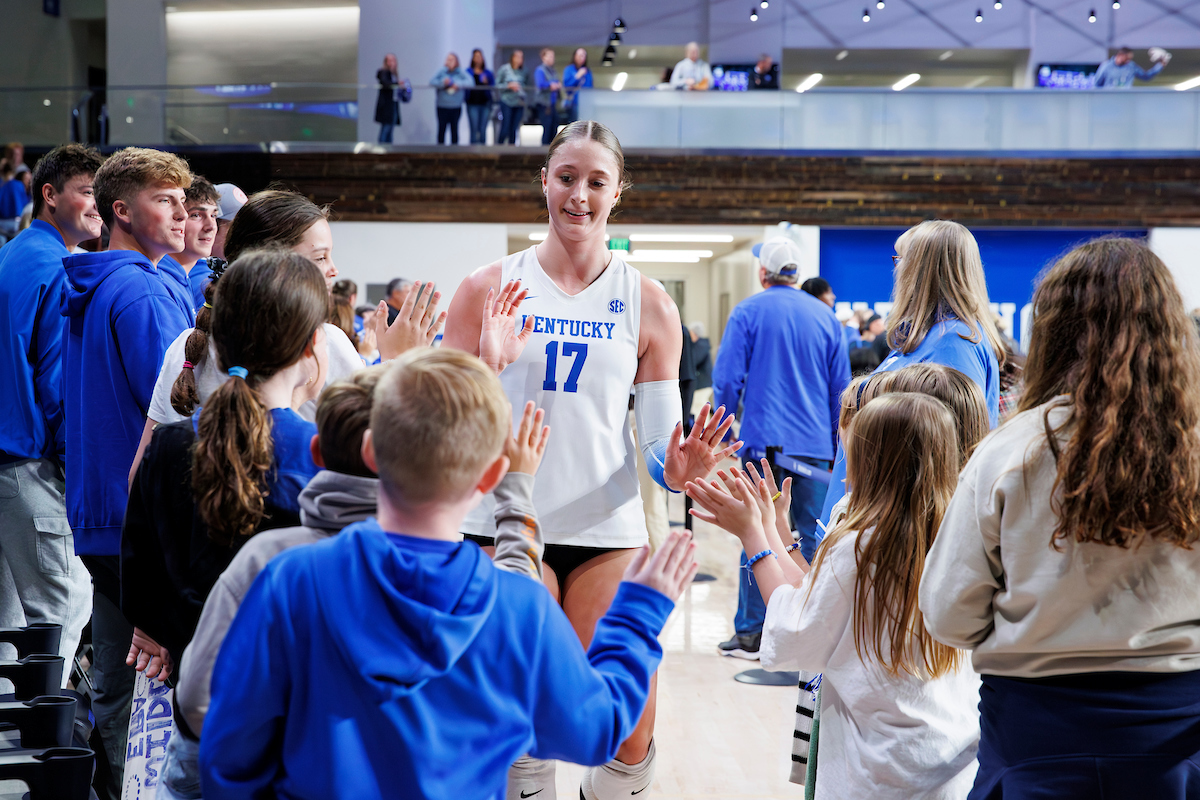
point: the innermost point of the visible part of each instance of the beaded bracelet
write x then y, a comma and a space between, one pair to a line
792, 547
750, 562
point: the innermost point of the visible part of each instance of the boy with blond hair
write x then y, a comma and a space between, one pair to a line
121, 317
395, 660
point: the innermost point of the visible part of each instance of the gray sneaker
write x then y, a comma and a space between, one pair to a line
742, 645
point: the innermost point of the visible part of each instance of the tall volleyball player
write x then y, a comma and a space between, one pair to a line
585, 330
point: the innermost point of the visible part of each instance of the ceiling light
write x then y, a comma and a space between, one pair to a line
979, 15
619, 81
945, 55
809, 82
614, 38
669, 256
764, 4
633, 53
691, 238
1092, 15
1116, 4
619, 25
866, 15
842, 55
905, 82
1191, 83
880, 5
753, 15
997, 5
610, 53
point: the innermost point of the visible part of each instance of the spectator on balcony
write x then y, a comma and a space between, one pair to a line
513, 79
692, 73
546, 79
764, 76
451, 82
1119, 71
393, 90
479, 101
575, 77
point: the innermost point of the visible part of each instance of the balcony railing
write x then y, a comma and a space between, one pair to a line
1142, 122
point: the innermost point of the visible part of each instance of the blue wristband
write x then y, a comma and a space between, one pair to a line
750, 562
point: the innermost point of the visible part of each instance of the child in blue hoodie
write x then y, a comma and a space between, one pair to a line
395, 660
121, 317
36, 546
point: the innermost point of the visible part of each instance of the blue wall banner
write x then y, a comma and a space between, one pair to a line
857, 262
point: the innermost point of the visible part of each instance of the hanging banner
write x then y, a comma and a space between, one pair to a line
149, 732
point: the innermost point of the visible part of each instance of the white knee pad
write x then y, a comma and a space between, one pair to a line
531, 777
617, 779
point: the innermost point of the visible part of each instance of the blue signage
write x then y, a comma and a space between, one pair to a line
857, 262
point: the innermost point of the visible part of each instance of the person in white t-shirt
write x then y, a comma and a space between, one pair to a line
692, 73
898, 718
585, 330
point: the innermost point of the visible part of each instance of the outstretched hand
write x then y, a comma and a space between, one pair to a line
670, 569
147, 655
525, 451
693, 458
733, 509
500, 343
417, 323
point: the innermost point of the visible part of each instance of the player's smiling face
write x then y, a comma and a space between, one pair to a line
582, 184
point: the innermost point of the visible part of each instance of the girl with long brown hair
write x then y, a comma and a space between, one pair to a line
237, 465
1067, 559
898, 713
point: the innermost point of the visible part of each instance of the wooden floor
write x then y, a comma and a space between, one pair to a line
716, 738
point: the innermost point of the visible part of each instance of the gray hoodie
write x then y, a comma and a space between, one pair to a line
330, 502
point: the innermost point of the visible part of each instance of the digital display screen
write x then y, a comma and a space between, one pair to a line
740, 77
1067, 76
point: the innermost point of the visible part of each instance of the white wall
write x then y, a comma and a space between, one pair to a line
1178, 248
444, 252
137, 56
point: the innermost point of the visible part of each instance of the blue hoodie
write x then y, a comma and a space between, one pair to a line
122, 316
31, 333
180, 284
944, 344
198, 281
375, 665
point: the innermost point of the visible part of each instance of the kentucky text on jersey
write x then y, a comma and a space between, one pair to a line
582, 328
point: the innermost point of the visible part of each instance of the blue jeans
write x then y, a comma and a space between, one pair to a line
510, 123
385, 133
181, 768
549, 120
478, 117
807, 495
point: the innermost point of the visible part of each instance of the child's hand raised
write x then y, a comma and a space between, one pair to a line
737, 513
670, 569
759, 493
525, 451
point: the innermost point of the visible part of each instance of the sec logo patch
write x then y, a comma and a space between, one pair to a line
616, 306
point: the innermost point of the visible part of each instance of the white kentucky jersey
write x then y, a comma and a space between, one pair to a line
579, 366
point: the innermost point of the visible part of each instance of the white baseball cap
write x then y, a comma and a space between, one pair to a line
779, 255
231, 199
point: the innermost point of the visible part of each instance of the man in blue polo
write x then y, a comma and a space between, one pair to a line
36, 542
783, 358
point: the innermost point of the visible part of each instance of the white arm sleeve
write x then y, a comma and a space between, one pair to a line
657, 409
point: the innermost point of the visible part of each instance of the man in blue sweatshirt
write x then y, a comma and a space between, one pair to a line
190, 267
394, 660
121, 317
784, 358
36, 544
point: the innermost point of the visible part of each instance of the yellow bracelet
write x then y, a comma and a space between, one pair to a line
778, 495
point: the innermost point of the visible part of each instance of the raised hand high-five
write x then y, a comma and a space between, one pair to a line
500, 343
417, 324
696, 456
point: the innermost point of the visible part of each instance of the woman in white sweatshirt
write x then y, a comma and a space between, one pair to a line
898, 718
1067, 559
